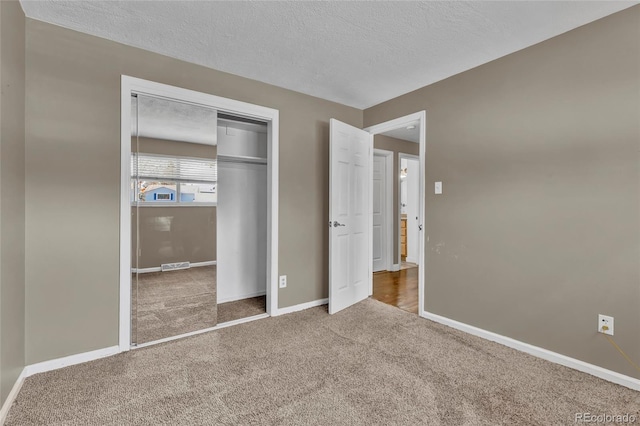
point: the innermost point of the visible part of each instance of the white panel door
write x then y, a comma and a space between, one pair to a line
379, 218
413, 210
349, 218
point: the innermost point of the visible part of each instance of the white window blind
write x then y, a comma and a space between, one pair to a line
161, 167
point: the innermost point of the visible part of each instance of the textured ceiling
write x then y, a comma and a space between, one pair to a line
171, 120
411, 132
354, 53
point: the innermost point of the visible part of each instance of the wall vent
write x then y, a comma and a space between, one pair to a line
175, 266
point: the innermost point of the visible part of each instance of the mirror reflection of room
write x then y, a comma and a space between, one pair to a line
396, 217
184, 272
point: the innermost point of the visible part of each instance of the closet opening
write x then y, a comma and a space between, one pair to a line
201, 209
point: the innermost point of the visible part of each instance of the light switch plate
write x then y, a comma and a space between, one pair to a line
438, 187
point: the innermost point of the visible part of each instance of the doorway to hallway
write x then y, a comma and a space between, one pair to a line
360, 216
399, 286
396, 216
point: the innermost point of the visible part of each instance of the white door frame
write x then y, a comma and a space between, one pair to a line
388, 207
403, 156
131, 85
397, 123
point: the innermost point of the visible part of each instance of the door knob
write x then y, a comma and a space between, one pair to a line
336, 224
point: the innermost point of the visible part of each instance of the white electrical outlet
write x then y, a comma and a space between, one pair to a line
438, 188
604, 320
283, 281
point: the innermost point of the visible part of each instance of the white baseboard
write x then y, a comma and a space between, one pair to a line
159, 269
301, 306
66, 361
4, 411
395, 267
411, 260
536, 351
244, 296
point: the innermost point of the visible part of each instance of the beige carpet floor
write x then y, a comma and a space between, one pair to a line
369, 364
244, 308
171, 303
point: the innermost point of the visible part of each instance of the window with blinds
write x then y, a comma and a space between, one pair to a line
178, 169
160, 179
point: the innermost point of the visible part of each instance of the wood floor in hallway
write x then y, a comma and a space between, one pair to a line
399, 288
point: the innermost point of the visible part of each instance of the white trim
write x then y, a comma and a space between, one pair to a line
204, 330
13, 394
395, 267
273, 191
421, 116
388, 208
422, 272
302, 306
241, 297
271, 116
536, 351
55, 364
369, 218
241, 321
159, 269
124, 332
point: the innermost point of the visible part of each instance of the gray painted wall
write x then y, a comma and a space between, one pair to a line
537, 230
174, 234
73, 142
12, 221
397, 146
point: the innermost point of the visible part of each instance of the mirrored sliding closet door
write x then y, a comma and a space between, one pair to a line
174, 185
198, 218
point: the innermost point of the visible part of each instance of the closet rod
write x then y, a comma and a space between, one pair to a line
241, 159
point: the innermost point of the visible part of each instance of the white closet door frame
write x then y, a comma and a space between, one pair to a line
130, 85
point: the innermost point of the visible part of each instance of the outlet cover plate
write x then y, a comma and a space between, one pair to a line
605, 320
283, 281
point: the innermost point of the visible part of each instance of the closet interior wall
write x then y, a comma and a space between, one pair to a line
242, 209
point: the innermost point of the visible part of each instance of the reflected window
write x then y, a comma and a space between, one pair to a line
164, 179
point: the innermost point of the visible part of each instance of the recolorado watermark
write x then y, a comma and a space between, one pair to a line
605, 418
